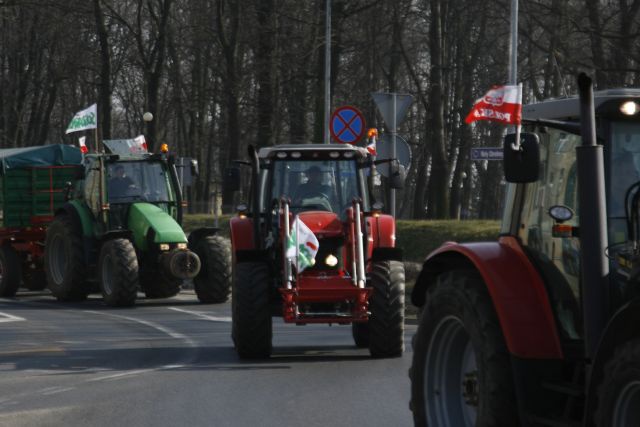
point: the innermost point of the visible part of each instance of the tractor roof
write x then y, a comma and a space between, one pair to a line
567, 108
308, 151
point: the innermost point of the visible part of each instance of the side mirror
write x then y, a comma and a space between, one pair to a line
232, 178
521, 166
397, 175
195, 171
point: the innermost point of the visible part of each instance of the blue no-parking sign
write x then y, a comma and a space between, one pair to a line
347, 125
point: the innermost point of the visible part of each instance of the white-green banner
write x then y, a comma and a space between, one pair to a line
83, 120
302, 245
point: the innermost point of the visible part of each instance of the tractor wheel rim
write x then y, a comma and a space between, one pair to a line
58, 259
107, 275
451, 388
627, 407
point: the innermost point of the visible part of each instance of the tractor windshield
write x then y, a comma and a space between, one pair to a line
133, 181
625, 164
326, 185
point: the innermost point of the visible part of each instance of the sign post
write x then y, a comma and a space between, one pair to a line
393, 108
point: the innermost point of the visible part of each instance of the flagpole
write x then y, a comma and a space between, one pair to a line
513, 62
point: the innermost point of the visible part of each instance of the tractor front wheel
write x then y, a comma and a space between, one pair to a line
251, 315
118, 267
64, 260
386, 325
461, 373
360, 332
9, 271
213, 283
619, 393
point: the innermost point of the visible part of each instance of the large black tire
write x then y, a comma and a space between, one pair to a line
213, 283
251, 315
386, 325
619, 393
10, 267
64, 260
34, 279
118, 273
360, 333
461, 369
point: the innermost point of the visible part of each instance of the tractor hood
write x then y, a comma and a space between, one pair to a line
323, 224
145, 217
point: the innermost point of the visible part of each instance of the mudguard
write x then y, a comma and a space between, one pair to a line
516, 289
241, 234
622, 327
382, 231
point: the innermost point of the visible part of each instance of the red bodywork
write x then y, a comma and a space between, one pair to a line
517, 292
333, 286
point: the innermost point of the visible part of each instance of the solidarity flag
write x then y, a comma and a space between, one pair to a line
82, 141
373, 136
501, 104
302, 246
83, 120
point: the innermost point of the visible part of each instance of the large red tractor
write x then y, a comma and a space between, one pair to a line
357, 274
542, 327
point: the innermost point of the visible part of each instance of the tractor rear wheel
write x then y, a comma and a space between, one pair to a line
213, 283
64, 260
461, 372
251, 313
619, 393
386, 325
9, 271
118, 269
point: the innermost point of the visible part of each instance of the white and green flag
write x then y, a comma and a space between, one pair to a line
302, 246
85, 119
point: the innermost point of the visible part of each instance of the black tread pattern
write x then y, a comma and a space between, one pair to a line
386, 325
123, 262
620, 371
213, 283
251, 314
72, 287
10, 281
360, 333
462, 294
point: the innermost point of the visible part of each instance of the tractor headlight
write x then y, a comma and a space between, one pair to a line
182, 246
331, 260
629, 108
164, 246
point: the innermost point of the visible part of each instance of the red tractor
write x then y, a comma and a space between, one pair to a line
542, 327
356, 276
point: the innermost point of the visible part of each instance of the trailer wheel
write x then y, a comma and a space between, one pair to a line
360, 333
213, 283
9, 271
251, 315
63, 260
619, 394
461, 372
118, 272
386, 325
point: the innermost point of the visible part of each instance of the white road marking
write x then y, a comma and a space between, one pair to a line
55, 390
6, 317
202, 315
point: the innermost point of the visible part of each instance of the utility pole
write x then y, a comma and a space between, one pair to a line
327, 72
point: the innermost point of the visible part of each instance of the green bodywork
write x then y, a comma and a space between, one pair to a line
145, 216
86, 219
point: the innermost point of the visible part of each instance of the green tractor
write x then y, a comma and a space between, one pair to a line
120, 232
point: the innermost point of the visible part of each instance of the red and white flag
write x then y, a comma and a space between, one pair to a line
372, 134
83, 145
501, 104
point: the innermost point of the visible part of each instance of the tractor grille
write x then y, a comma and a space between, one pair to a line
329, 246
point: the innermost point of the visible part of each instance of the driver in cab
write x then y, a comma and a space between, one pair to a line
313, 188
120, 183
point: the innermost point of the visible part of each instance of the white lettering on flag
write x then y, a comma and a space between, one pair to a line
83, 120
501, 104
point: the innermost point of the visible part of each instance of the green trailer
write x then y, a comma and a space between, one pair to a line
34, 183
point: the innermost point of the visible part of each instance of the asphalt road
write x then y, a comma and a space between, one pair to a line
171, 363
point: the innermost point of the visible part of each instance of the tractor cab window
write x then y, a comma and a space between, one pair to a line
325, 185
129, 182
556, 258
625, 168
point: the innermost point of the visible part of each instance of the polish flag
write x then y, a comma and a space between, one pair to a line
501, 104
141, 144
83, 145
371, 146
